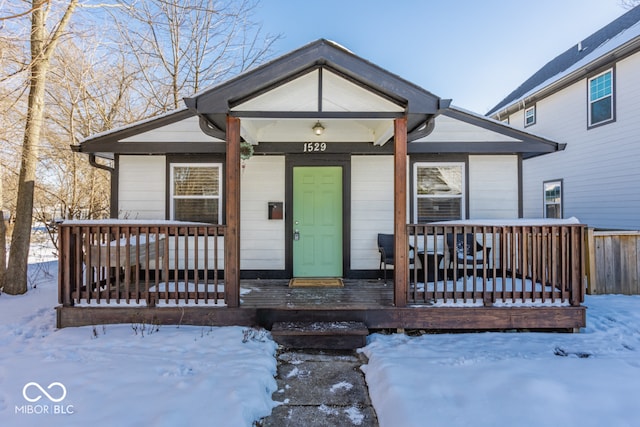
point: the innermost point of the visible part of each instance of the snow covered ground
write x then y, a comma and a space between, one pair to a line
136, 374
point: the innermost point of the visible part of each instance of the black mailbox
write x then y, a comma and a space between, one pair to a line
276, 210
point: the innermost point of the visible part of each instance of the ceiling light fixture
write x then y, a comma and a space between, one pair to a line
318, 129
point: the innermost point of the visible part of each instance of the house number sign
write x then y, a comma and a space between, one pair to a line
314, 147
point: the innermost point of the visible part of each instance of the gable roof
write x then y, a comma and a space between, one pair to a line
215, 103
356, 101
620, 37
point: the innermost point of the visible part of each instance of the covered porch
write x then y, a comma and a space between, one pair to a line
382, 147
530, 278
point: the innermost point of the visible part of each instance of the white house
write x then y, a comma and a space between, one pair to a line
288, 173
589, 98
461, 165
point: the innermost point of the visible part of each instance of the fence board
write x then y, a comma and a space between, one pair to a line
616, 258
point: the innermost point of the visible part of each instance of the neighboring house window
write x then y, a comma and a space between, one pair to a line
530, 116
196, 192
439, 191
601, 98
553, 199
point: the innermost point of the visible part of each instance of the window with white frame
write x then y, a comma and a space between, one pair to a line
530, 116
196, 192
553, 199
601, 98
439, 191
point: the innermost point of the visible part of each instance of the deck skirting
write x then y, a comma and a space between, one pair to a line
426, 318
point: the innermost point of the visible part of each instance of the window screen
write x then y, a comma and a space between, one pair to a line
439, 191
196, 192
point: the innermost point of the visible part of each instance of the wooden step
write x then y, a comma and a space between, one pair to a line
320, 335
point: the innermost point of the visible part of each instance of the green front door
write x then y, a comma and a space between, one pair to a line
317, 221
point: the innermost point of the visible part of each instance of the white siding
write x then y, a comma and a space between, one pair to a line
450, 129
493, 187
599, 167
371, 208
141, 187
262, 239
187, 130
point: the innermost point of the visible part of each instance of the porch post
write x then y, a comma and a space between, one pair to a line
232, 232
401, 266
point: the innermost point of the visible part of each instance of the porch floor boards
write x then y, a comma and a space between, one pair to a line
355, 295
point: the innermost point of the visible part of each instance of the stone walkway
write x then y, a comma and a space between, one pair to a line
320, 389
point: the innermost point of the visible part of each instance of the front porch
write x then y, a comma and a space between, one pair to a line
172, 273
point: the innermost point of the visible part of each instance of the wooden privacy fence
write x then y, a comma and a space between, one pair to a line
614, 262
487, 264
136, 262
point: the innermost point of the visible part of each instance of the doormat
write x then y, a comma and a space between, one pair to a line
325, 282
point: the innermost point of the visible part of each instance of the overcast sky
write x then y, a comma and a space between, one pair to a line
473, 51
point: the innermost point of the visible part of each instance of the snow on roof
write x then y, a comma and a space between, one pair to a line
135, 124
616, 34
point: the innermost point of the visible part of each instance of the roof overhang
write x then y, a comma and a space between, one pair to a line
321, 81
566, 78
280, 102
477, 134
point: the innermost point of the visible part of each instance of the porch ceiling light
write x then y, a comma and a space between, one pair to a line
318, 129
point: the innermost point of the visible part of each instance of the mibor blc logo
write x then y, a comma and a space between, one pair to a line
55, 393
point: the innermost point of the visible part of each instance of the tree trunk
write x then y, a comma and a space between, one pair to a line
3, 238
41, 51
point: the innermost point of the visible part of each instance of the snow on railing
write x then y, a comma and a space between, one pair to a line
491, 263
136, 262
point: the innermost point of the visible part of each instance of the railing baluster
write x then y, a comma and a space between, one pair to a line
206, 264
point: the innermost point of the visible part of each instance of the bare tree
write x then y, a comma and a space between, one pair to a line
181, 46
43, 43
629, 4
89, 93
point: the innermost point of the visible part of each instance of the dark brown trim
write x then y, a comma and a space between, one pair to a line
317, 114
115, 187
436, 158
527, 149
319, 88
426, 318
331, 148
234, 102
194, 158
157, 147
214, 103
297, 160
98, 142
232, 233
401, 262
531, 145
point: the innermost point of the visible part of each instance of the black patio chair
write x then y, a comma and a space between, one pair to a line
386, 244
464, 250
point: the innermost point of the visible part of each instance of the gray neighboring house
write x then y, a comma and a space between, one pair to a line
589, 98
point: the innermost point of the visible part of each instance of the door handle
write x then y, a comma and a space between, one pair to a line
296, 235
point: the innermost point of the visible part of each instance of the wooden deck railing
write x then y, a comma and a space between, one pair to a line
133, 262
511, 265
140, 262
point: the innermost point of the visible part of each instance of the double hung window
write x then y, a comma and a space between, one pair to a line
530, 116
553, 199
196, 192
439, 191
601, 102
